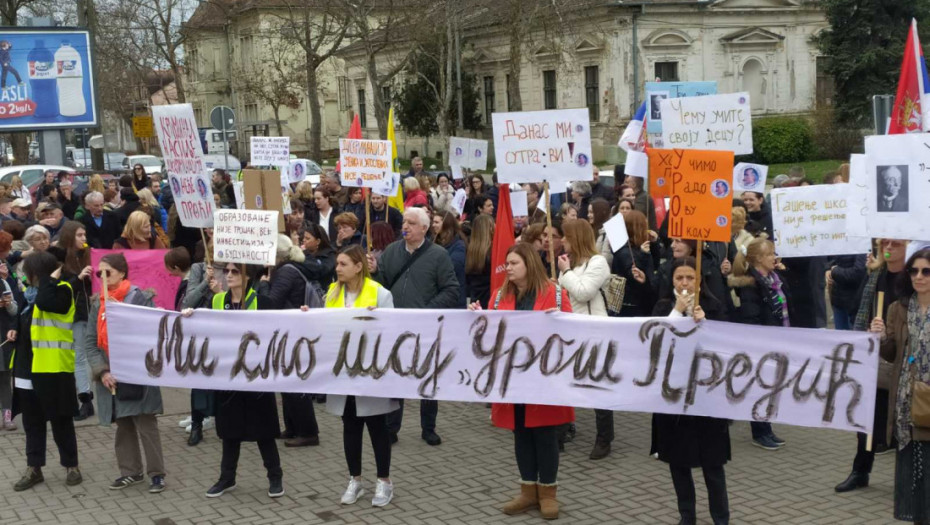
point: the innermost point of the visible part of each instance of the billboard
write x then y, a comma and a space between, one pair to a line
46, 79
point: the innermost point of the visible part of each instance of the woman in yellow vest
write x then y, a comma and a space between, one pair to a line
244, 416
354, 289
43, 370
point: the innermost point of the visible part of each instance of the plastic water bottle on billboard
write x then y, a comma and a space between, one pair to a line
70, 81
42, 80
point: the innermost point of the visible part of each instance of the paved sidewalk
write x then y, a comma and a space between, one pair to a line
464, 480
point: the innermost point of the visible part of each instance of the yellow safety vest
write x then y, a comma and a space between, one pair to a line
335, 297
53, 339
251, 302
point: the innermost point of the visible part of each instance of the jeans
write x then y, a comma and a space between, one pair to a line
299, 415
716, 481
81, 368
760, 429
266, 447
843, 320
129, 431
605, 425
352, 429
429, 409
536, 449
34, 424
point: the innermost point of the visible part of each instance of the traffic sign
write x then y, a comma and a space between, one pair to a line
143, 127
223, 118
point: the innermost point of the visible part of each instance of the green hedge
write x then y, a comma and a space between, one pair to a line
778, 140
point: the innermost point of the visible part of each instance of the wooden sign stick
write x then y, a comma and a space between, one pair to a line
368, 216
697, 271
552, 262
206, 247
103, 298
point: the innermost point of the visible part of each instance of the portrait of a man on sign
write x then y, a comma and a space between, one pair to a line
655, 98
750, 178
891, 183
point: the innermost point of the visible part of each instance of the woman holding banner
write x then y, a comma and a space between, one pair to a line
132, 407
535, 428
905, 342
355, 289
687, 442
764, 300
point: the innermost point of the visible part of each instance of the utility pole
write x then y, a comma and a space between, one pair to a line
458, 74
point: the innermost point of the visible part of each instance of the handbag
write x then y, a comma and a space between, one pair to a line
613, 292
920, 401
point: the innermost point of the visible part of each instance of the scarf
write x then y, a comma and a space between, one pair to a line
117, 294
918, 357
777, 299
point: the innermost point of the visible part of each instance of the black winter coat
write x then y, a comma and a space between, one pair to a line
105, 235
756, 306
287, 289
321, 266
639, 299
806, 278
848, 276
479, 284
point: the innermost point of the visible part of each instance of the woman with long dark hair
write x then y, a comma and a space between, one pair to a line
319, 257
478, 260
636, 266
449, 236
140, 179
76, 270
475, 188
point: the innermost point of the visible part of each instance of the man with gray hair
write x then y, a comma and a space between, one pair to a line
102, 226
891, 193
419, 274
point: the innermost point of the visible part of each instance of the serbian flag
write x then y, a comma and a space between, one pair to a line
503, 237
632, 138
911, 104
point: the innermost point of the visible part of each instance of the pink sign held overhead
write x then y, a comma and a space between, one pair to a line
146, 270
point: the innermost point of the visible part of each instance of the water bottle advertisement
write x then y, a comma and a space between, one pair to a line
46, 80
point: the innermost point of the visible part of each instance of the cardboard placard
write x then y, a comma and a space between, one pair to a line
183, 155
750, 177
365, 163
811, 220
702, 194
656, 92
535, 146
714, 122
270, 151
245, 237
262, 189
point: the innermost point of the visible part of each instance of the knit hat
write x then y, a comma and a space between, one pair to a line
287, 252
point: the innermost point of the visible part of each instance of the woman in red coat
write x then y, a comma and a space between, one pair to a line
535, 427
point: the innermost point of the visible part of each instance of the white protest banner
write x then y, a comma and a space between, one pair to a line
518, 204
245, 237
365, 163
857, 197
457, 172
713, 122
270, 151
239, 193
749, 177
896, 185
468, 153
637, 165
795, 376
296, 171
183, 155
458, 151
387, 188
616, 232
811, 220
458, 201
478, 152
533, 146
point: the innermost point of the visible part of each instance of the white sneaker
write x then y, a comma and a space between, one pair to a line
188, 429
185, 422
384, 493
353, 492
208, 423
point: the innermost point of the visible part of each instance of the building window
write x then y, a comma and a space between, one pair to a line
361, 109
192, 67
549, 93
386, 98
592, 93
198, 115
488, 99
509, 104
825, 85
245, 50
667, 71
343, 93
251, 113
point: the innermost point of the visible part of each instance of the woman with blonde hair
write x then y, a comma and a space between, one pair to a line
137, 235
478, 260
741, 237
18, 191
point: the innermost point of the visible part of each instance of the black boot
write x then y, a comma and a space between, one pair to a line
196, 434
87, 406
856, 480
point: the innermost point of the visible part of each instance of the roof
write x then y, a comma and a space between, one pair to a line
215, 13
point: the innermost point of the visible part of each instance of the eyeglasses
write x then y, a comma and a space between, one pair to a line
230, 271
914, 272
102, 273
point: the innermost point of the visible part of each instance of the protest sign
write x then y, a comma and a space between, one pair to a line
795, 376
468, 153
714, 122
262, 190
857, 197
457, 173
897, 181
811, 220
296, 171
637, 165
701, 192
239, 193
656, 92
536, 146
750, 177
270, 151
518, 204
365, 163
458, 201
183, 156
148, 272
617, 235
387, 188
245, 237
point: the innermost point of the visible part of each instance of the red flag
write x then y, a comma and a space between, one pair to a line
907, 113
503, 237
355, 132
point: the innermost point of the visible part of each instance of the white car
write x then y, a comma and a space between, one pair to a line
150, 163
32, 174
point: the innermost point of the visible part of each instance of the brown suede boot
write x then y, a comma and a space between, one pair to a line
548, 505
525, 501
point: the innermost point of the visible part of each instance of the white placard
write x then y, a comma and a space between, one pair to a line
478, 153
713, 122
750, 177
183, 155
458, 151
533, 146
239, 192
458, 200
897, 185
616, 232
811, 220
270, 151
858, 197
597, 362
637, 165
245, 237
468, 153
365, 163
296, 171
518, 203
457, 172
387, 188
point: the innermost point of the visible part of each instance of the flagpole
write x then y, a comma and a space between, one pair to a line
368, 216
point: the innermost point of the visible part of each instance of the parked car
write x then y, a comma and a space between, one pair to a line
232, 164
150, 163
314, 171
33, 174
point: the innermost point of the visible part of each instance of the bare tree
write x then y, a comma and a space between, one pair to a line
273, 80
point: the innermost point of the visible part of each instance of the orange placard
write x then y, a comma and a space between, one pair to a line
662, 164
701, 187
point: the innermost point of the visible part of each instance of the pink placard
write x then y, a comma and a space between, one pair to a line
146, 270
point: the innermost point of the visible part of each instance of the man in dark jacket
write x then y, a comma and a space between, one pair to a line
598, 189
844, 280
379, 208
102, 226
419, 274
